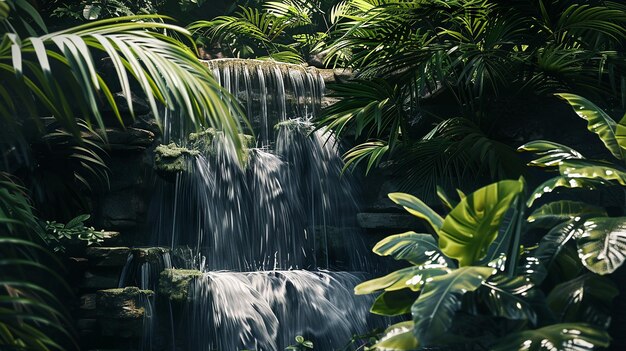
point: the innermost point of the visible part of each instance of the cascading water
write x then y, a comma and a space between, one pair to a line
275, 238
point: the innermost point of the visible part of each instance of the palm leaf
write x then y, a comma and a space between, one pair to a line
166, 71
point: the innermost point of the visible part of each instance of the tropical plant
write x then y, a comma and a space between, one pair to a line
482, 59
54, 92
286, 30
59, 234
473, 283
301, 344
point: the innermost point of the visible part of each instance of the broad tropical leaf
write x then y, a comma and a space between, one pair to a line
510, 298
398, 337
471, 227
394, 303
601, 243
564, 182
412, 278
592, 170
552, 154
441, 298
561, 337
549, 247
418, 208
445, 199
600, 123
419, 249
585, 299
553, 213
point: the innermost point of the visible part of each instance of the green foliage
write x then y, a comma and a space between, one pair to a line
301, 344
52, 98
286, 30
480, 58
31, 317
474, 265
58, 234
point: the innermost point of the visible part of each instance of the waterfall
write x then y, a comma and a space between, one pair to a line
276, 237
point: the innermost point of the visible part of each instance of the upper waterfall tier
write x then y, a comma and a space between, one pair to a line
270, 92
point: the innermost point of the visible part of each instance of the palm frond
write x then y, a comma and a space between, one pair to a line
165, 70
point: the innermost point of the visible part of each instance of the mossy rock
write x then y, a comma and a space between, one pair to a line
295, 124
149, 254
174, 283
172, 159
122, 303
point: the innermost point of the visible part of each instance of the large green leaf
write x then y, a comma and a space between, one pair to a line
549, 247
394, 303
471, 227
584, 299
418, 208
563, 182
602, 243
398, 337
419, 249
510, 298
592, 170
557, 337
598, 122
411, 277
552, 154
441, 298
557, 212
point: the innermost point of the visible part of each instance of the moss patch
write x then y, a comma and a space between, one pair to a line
175, 283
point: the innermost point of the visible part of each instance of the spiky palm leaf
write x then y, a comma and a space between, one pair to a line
46, 68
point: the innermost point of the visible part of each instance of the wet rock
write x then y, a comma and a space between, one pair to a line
121, 311
174, 283
99, 280
388, 221
122, 209
123, 139
327, 74
107, 256
86, 324
88, 302
172, 159
203, 141
149, 254
122, 303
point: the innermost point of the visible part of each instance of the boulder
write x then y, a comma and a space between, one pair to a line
107, 256
174, 283
122, 303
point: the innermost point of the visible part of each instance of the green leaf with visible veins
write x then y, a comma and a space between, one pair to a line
417, 208
441, 298
471, 227
411, 277
416, 248
600, 123
565, 337
601, 244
